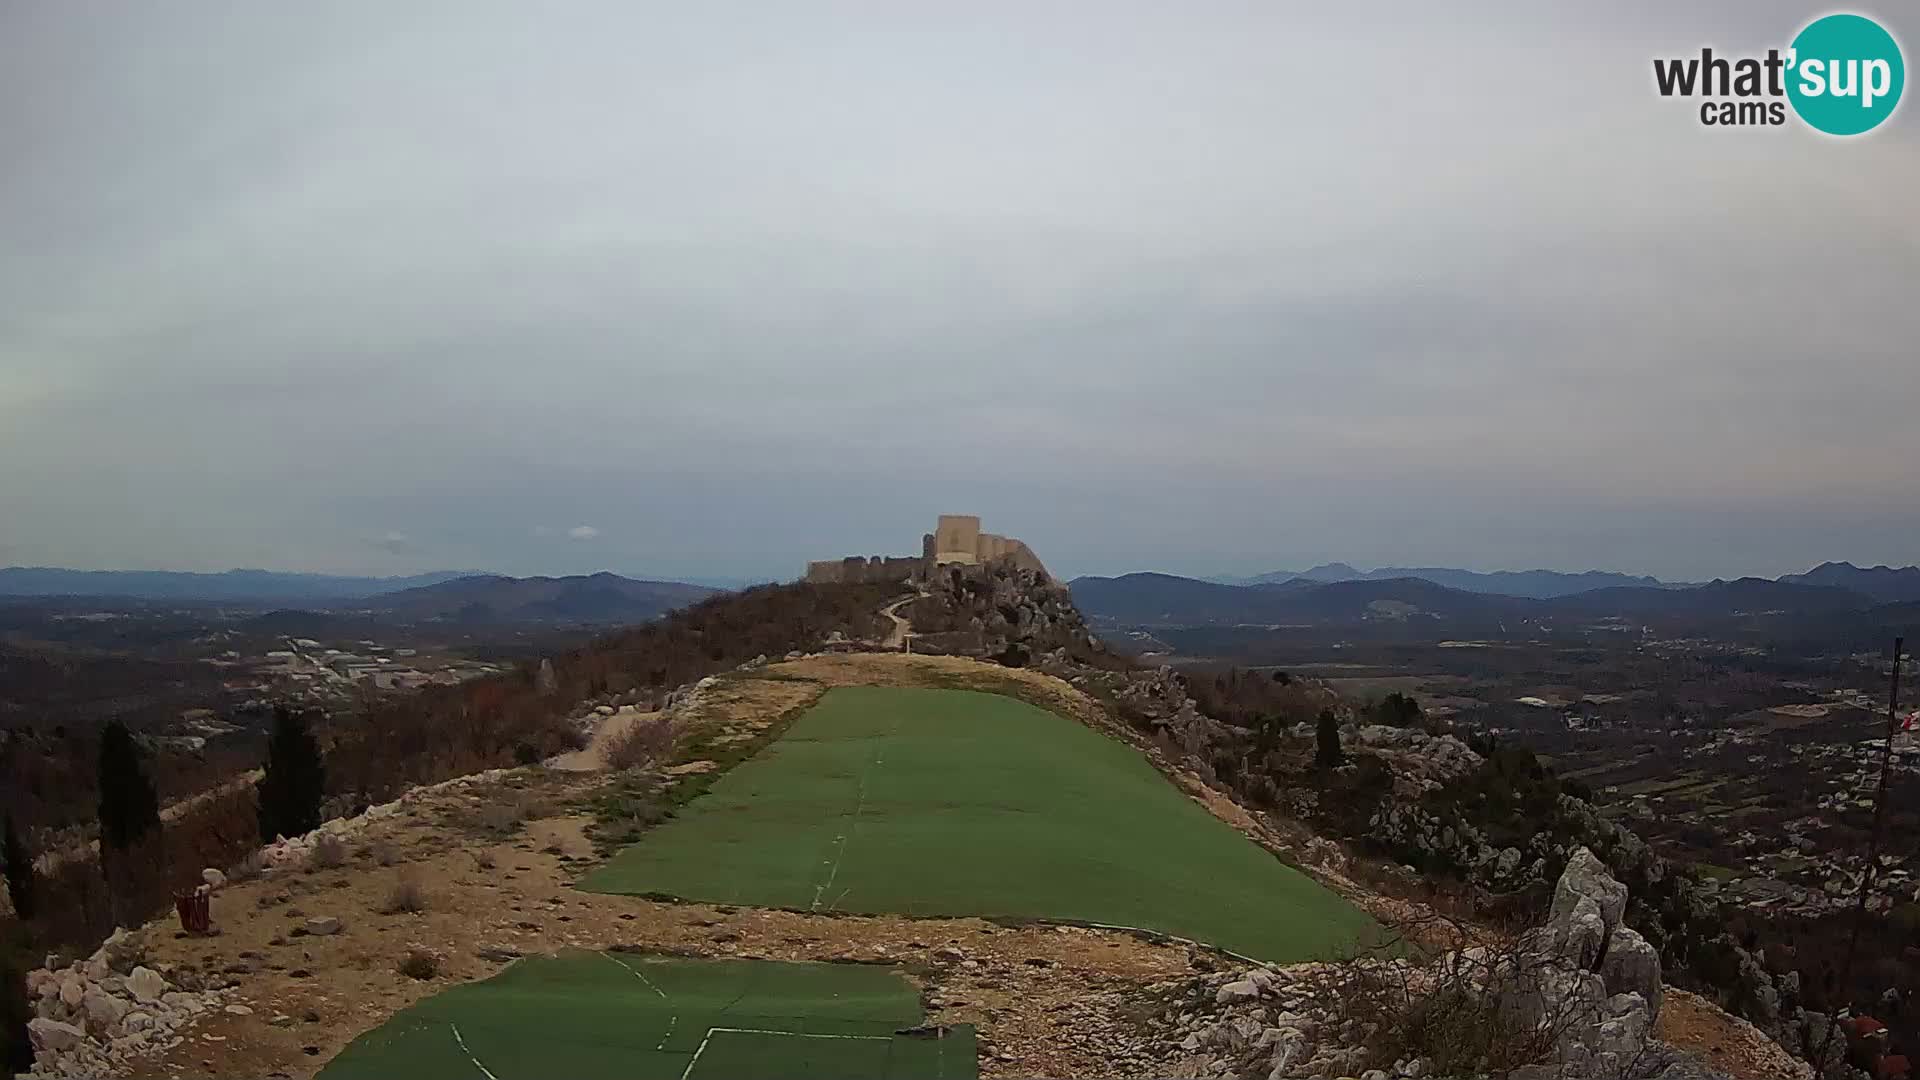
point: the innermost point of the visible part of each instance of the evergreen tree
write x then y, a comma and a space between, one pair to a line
19, 870
129, 807
1329, 753
295, 780
1397, 710
1267, 729
16, 1008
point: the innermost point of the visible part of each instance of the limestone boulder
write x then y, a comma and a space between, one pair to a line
1237, 991
1632, 966
52, 1036
146, 985
73, 989
1580, 939
103, 1011
1586, 876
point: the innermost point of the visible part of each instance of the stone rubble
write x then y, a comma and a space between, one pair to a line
97, 1015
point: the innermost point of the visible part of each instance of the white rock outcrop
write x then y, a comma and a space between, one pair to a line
96, 1016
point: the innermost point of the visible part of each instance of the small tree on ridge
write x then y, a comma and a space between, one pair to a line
19, 870
129, 807
295, 780
1329, 753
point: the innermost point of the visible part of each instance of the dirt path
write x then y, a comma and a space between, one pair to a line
593, 757
897, 637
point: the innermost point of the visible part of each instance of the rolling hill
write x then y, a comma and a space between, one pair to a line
230, 586
1885, 584
1743, 596
1163, 599
1537, 584
598, 598
1166, 600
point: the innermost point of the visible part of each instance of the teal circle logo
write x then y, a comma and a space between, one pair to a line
1845, 74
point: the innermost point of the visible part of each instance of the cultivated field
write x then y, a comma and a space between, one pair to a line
928, 802
628, 1016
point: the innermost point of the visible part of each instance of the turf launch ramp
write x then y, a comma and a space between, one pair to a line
627, 1016
924, 802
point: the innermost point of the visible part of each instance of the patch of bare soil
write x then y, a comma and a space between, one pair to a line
593, 756
1725, 1042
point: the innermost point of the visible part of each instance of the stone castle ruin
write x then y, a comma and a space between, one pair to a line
956, 540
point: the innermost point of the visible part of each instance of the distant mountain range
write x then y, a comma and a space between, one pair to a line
599, 598
1886, 585
1883, 583
237, 586
458, 595
1162, 599
1539, 584
1165, 600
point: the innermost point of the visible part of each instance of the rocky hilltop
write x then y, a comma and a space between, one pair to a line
310, 956
1576, 997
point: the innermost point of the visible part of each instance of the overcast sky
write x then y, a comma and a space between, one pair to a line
713, 289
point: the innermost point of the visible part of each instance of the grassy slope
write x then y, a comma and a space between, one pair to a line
631, 1017
949, 802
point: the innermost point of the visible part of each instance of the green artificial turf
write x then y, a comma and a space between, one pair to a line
624, 1016
952, 802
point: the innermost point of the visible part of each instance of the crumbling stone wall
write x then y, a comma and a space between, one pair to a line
863, 570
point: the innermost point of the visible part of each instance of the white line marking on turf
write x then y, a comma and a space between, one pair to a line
860, 803
484, 1071
673, 1019
688, 1071
800, 1034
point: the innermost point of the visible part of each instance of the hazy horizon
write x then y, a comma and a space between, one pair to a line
736, 580
709, 292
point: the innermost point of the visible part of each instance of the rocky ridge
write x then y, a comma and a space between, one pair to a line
1584, 989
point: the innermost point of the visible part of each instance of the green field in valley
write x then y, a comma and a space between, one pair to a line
626, 1016
953, 802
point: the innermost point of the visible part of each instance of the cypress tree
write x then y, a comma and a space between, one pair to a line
295, 780
19, 870
129, 807
1329, 753
16, 1046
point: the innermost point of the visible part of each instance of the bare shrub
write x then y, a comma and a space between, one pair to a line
329, 852
249, 868
497, 817
384, 852
406, 897
483, 860
646, 740
1460, 1011
419, 964
503, 815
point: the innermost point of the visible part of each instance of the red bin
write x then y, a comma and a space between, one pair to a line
196, 910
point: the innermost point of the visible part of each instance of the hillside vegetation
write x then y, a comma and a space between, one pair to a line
439, 732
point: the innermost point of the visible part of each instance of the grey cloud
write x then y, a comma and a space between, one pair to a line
1208, 287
